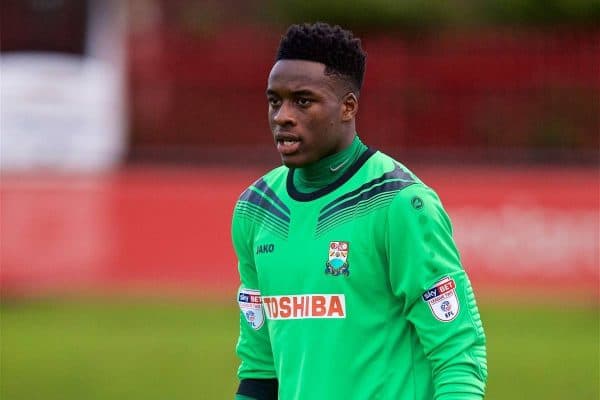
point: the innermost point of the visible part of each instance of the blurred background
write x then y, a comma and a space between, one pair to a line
129, 128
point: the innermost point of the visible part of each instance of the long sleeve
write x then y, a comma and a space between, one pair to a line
253, 346
426, 274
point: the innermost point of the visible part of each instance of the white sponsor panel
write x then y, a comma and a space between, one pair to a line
68, 111
305, 306
515, 240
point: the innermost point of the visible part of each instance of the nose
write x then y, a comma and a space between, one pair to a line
284, 115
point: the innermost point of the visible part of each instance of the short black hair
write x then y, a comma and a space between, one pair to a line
333, 46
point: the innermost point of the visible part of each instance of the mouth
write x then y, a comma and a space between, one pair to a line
287, 144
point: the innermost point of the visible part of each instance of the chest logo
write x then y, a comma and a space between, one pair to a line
337, 263
305, 306
265, 248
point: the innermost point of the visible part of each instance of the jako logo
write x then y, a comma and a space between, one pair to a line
265, 248
305, 306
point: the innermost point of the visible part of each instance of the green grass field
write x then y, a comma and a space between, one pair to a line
59, 350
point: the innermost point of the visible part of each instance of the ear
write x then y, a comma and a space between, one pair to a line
349, 106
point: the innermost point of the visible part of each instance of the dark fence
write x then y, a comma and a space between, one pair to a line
499, 95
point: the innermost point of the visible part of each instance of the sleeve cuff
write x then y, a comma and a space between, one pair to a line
257, 389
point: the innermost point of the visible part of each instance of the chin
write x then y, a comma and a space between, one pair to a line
293, 162
290, 164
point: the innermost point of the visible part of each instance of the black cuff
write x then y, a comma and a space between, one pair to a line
259, 389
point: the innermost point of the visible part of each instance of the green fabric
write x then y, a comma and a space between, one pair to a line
242, 397
315, 176
365, 332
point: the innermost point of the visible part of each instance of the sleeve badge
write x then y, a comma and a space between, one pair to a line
250, 303
442, 300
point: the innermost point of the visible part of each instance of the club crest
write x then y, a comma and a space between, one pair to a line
337, 263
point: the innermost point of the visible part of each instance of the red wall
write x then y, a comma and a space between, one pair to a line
528, 231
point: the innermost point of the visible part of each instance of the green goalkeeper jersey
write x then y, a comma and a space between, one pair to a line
355, 290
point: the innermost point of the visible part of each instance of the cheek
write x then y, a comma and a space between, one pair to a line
325, 120
323, 124
272, 123
322, 129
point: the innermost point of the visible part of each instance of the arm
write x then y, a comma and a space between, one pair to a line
256, 371
425, 270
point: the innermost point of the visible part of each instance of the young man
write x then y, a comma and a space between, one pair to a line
351, 285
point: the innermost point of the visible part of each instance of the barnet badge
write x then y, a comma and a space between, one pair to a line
337, 264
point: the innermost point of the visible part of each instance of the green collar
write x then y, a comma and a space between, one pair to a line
321, 173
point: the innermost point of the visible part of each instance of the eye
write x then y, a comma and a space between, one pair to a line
274, 102
303, 101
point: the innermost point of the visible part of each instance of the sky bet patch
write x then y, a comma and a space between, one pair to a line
442, 300
251, 305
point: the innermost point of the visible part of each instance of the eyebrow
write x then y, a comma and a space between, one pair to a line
302, 92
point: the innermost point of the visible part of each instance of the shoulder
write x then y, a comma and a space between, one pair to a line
262, 201
381, 183
274, 180
417, 197
387, 174
410, 191
418, 205
380, 164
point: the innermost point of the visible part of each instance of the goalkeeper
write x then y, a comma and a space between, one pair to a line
351, 284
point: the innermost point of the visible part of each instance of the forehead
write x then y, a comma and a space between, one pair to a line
296, 75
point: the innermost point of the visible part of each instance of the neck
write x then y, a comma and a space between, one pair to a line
323, 172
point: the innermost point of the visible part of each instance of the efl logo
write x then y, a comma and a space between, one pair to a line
305, 306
